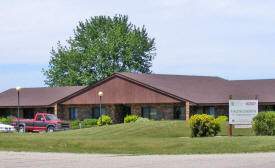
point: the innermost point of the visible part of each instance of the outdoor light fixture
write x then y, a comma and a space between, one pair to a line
100, 94
18, 89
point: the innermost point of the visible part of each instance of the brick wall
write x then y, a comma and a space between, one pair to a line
224, 110
164, 111
219, 110
84, 111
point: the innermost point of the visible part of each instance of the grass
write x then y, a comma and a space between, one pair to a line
157, 137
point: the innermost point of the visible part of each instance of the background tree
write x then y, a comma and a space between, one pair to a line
100, 47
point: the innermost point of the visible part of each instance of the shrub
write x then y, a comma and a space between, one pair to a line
264, 123
9, 118
141, 120
74, 124
222, 118
4, 120
203, 125
104, 120
88, 123
130, 118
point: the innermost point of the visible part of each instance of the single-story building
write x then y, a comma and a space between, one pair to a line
153, 96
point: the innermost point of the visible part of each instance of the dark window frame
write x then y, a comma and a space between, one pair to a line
73, 113
207, 110
177, 115
150, 110
96, 112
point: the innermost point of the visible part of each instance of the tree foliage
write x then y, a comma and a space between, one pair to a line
101, 46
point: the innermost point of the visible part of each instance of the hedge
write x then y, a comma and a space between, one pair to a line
104, 120
264, 123
203, 125
130, 118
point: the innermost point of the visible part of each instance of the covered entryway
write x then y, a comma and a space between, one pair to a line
121, 112
123, 97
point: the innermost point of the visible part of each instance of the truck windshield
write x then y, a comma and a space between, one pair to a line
51, 117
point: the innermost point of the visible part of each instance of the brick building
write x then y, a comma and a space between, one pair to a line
152, 96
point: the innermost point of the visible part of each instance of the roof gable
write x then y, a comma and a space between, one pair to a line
200, 89
120, 91
197, 89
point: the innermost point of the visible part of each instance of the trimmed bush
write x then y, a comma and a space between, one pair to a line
264, 123
203, 125
74, 124
141, 120
104, 120
130, 118
222, 118
86, 123
9, 118
3, 120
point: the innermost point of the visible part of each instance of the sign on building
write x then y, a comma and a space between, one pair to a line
242, 111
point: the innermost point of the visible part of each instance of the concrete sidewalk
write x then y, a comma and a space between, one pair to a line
68, 160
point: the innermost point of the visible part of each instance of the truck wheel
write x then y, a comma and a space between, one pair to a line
50, 129
21, 129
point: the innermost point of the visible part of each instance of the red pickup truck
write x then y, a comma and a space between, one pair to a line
41, 122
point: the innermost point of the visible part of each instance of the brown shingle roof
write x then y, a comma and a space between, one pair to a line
196, 89
208, 90
249, 89
45, 96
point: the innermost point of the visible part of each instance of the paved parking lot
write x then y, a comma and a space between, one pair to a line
66, 160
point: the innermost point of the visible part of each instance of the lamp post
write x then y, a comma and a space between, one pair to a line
100, 94
18, 89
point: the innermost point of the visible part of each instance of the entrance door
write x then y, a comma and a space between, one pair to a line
126, 110
121, 112
28, 113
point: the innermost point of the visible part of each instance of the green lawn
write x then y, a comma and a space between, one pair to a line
156, 137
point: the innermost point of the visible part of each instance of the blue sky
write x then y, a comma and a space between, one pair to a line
233, 39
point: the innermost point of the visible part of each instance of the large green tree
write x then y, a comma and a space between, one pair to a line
100, 46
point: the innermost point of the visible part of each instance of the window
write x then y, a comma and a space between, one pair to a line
96, 112
149, 112
73, 113
269, 108
212, 111
51, 117
179, 113
209, 110
39, 118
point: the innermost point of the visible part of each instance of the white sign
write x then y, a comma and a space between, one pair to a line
242, 111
